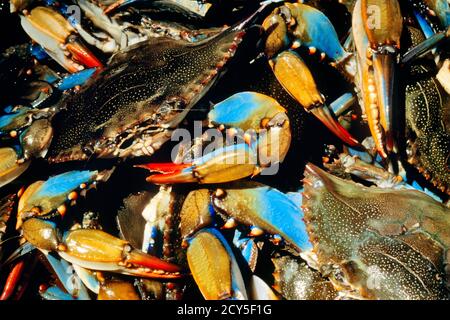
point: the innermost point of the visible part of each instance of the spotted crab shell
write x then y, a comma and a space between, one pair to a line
379, 243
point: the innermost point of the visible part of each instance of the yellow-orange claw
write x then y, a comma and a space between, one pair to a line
293, 74
98, 250
214, 267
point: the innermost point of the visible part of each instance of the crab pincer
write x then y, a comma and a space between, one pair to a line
263, 128
377, 47
264, 209
51, 30
97, 250
308, 27
47, 198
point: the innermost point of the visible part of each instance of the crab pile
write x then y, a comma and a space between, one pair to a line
188, 149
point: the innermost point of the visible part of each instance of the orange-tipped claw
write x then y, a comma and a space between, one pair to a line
295, 76
145, 260
165, 167
169, 173
12, 280
98, 250
56, 35
81, 54
225, 164
171, 178
325, 116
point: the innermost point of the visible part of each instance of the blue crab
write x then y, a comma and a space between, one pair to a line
369, 232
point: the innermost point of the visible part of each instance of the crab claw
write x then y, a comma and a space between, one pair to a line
266, 208
221, 165
214, 267
32, 129
45, 197
377, 43
10, 169
98, 250
256, 112
383, 68
296, 78
310, 28
53, 32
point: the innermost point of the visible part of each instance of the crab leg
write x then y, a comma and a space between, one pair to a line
425, 46
71, 282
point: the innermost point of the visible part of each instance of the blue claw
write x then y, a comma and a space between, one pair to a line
308, 26
321, 33
244, 110
268, 209
44, 197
